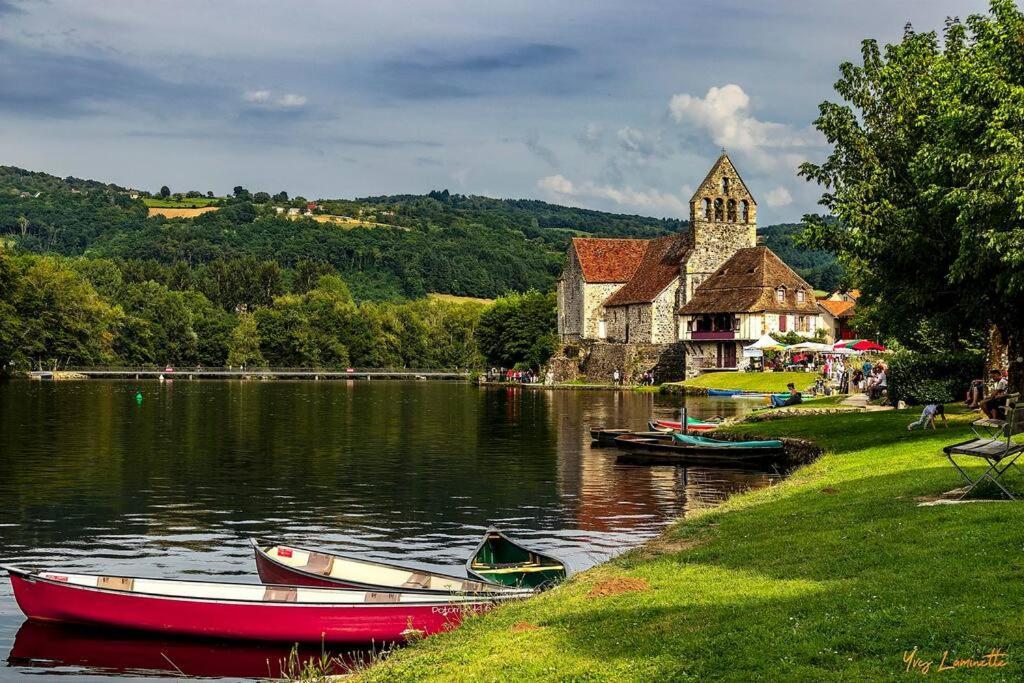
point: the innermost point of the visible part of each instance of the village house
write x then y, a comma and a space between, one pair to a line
837, 311
620, 300
752, 294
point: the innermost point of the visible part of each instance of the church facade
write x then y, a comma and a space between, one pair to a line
621, 299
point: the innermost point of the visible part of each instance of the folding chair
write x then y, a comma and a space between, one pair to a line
1000, 451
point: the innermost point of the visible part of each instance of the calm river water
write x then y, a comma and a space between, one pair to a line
94, 480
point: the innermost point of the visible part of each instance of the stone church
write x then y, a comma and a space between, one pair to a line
619, 300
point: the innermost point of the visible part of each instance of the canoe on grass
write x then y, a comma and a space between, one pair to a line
290, 565
665, 448
707, 442
692, 425
499, 559
240, 611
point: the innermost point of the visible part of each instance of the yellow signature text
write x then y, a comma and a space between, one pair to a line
915, 662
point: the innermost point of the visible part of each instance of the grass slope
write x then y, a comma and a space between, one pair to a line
752, 381
832, 575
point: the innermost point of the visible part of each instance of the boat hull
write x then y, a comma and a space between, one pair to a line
655, 449
46, 600
670, 426
276, 564
499, 559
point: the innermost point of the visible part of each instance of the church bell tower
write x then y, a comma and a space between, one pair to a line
723, 219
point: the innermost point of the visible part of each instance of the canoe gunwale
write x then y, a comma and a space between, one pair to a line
341, 584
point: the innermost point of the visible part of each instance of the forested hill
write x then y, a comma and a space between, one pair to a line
392, 247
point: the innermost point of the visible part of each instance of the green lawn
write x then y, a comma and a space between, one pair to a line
832, 575
752, 381
193, 203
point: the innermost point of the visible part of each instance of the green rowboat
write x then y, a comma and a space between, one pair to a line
499, 559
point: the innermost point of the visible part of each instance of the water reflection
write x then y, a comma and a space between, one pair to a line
412, 472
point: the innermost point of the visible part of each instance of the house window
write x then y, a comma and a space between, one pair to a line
780, 295
602, 329
782, 323
803, 323
801, 296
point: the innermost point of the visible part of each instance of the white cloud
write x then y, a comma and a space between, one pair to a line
724, 113
592, 137
256, 96
556, 184
780, 196
292, 100
266, 98
639, 143
560, 188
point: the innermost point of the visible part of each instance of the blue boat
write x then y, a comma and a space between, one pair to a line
723, 392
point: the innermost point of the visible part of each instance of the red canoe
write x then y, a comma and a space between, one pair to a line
670, 426
240, 611
294, 566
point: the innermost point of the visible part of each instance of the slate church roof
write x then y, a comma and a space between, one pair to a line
748, 282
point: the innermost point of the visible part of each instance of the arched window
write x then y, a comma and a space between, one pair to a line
744, 211
724, 185
706, 207
731, 211
719, 209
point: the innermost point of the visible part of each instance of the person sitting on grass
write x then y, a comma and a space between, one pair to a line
791, 400
996, 394
928, 415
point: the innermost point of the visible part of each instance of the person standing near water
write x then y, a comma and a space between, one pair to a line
615, 377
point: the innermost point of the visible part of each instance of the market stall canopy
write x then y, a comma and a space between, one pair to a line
813, 347
859, 345
766, 343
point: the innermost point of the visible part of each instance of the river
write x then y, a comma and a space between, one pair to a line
170, 479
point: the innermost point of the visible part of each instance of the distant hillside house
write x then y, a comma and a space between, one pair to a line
629, 293
752, 294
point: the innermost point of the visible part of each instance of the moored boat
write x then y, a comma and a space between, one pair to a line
499, 559
680, 448
284, 564
606, 437
692, 425
240, 611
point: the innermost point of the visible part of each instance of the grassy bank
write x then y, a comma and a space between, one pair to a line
834, 574
774, 382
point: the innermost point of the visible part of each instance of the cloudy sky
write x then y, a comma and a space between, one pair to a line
619, 106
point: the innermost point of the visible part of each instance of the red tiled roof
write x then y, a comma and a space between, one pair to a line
608, 260
747, 283
660, 266
838, 309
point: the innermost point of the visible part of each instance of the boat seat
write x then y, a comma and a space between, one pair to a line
519, 569
278, 594
115, 583
417, 580
319, 563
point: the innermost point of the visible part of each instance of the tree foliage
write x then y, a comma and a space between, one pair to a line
926, 179
519, 330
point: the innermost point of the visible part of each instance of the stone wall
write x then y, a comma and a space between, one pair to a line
570, 299
664, 327
594, 296
597, 362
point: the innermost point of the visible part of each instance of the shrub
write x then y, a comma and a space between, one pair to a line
932, 378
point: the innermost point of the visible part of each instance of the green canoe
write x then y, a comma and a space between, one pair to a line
499, 559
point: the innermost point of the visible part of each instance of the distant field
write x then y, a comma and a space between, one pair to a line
347, 222
180, 213
451, 298
753, 381
194, 203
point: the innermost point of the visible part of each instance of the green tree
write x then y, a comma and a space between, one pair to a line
926, 179
244, 346
519, 329
165, 192
261, 198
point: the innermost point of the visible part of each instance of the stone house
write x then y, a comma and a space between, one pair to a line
625, 292
752, 294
